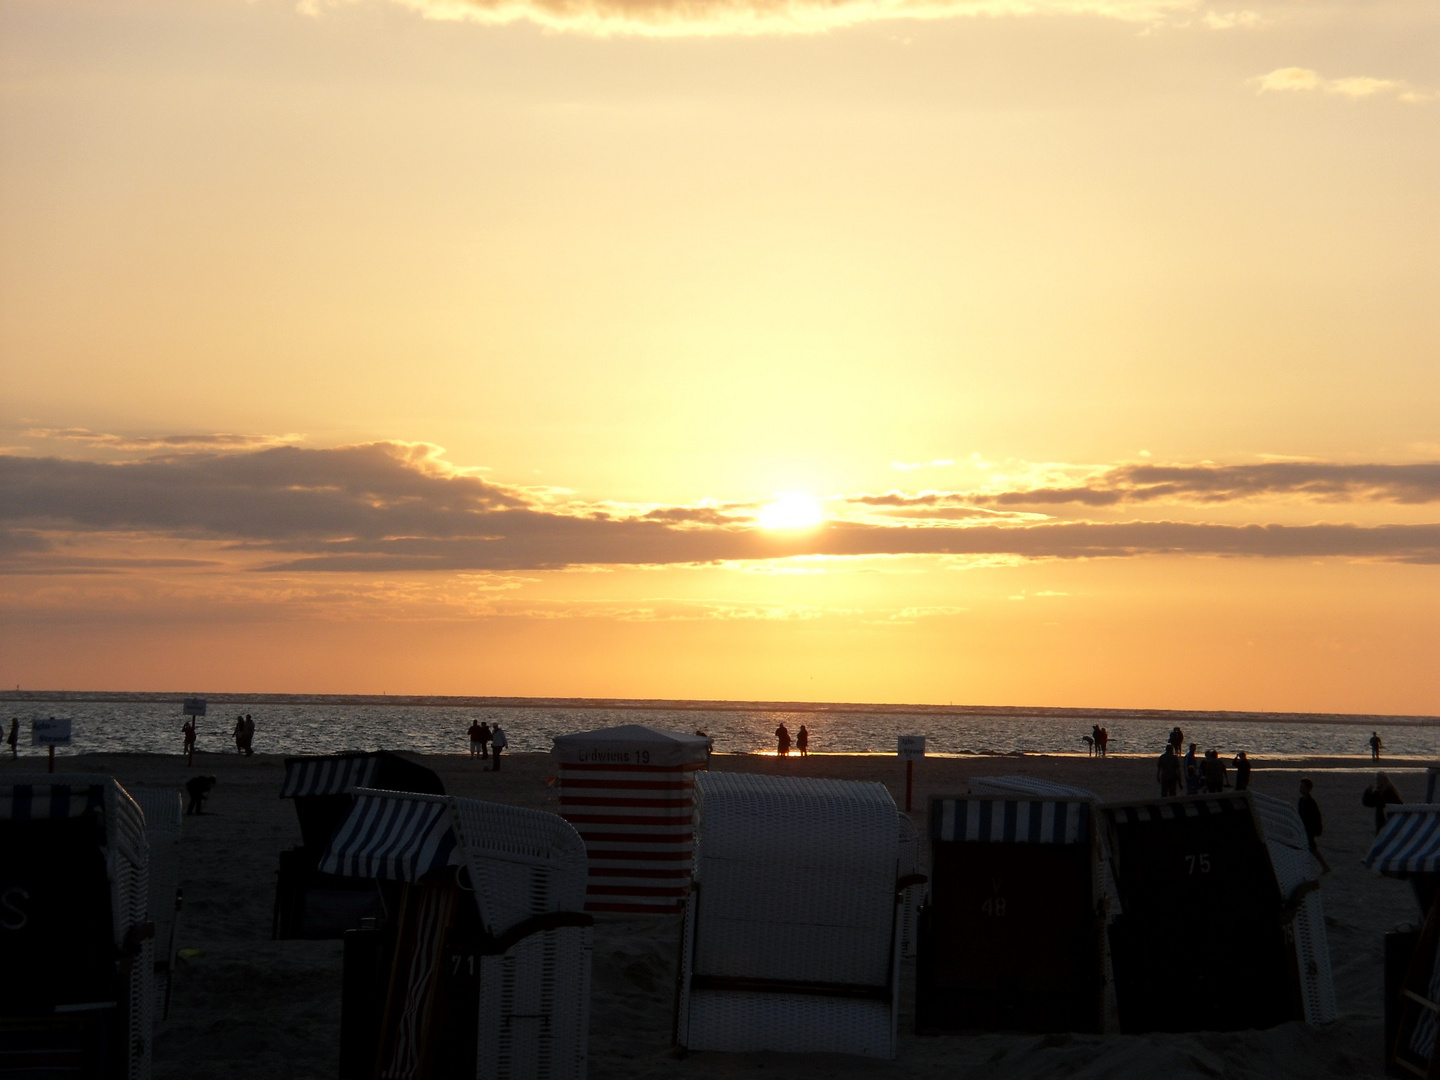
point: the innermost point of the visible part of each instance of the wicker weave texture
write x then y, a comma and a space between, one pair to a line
799, 878
164, 811
796, 885
790, 1023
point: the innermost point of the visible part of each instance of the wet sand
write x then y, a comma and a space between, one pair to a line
249, 1007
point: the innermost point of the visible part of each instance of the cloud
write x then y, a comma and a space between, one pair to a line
697, 18
1294, 79
216, 441
395, 507
908, 466
1204, 484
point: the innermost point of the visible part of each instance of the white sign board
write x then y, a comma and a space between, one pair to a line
194, 706
911, 747
50, 732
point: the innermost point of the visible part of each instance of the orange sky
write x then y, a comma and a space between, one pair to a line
460, 347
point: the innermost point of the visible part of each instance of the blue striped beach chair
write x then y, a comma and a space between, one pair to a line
483, 969
308, 902
1408, 847
1012, 936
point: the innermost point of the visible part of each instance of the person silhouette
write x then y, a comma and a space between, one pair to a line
1168, 772
782, 741
1242, 771
1376, 745
802, 741
14, 737
498, 742
188, 730
1310, 818
475, 744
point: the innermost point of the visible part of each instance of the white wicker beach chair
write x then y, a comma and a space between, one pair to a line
792, 937
526, 873
1284, 836
912, 896
164, 811
45, 797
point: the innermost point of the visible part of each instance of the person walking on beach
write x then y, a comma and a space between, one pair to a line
1376, 745
1242, 771
249, 737
1177, 739
239, 734
1310, 818
1102, 741
14, 737
498, 741
782, 741
1381, 795
188, 730
1192, 772
1168, 772
475, 744
802, 741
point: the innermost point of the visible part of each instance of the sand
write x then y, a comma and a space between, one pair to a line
247, 1006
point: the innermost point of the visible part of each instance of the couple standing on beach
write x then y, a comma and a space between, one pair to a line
483, 737
245, 735
782, 741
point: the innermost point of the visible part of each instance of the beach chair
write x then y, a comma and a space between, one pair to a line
1013, 936
913, 895
484, 970
308, 902
792, 932
1408, 847
164, 811
1212, 887
77, 940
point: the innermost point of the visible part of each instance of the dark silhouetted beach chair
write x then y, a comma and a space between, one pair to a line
1231, 878
77, 941
1013, 933
484, 968
310, 903
793, 931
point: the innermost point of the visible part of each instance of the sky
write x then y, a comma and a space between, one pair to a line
1013, 352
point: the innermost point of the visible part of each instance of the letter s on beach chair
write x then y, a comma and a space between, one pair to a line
74, 928
792, 933
484, 970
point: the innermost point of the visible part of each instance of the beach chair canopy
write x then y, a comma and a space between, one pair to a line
631, 744
1409, 843
322, 786
1033, 786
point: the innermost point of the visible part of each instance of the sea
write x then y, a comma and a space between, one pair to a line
149, 723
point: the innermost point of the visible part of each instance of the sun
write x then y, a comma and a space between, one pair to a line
791, 510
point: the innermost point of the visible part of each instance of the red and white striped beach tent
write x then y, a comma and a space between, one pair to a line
629, 793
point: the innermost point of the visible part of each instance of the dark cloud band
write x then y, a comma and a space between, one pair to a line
387, 507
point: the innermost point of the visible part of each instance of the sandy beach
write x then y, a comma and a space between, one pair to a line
246, 1006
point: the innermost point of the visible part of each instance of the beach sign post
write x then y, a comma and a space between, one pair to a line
910, 749
50, 734
194, 706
